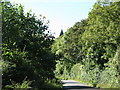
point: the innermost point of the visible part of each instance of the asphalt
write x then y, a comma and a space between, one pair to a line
75, 85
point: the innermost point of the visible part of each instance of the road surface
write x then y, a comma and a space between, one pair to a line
75, 85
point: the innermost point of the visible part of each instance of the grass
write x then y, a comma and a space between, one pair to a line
55, 83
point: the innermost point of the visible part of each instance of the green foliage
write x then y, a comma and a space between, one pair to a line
76, 71
54, 83
26, 48
23, 85
110, 76
92, 44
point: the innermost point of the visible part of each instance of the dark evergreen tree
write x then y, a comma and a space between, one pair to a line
61, 33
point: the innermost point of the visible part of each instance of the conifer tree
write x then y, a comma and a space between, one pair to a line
61, 33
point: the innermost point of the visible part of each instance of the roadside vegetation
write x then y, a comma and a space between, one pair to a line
26, 50
90, 50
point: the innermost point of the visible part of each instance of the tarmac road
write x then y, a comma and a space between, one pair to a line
75, 85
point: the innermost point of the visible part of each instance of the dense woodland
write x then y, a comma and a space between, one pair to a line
89, 51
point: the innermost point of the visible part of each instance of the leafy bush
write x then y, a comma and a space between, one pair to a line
76, 71
110, 76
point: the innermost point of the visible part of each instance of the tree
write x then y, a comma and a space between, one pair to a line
61, 33
26, 48
68, 47
92, 44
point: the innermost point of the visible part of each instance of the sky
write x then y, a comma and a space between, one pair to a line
62, 14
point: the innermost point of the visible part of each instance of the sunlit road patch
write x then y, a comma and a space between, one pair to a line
75, 85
